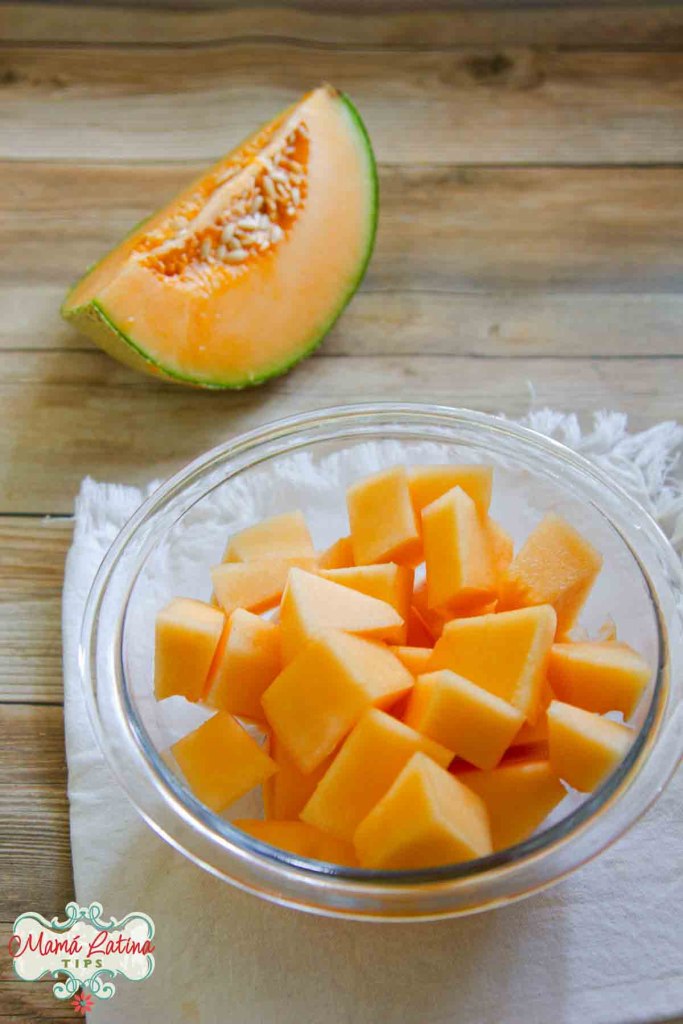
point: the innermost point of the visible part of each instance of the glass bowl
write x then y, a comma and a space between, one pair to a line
306, 462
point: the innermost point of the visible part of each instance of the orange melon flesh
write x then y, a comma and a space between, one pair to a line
427, 483
370, 759
518, 797
532, 737
384, 527
415, 659
284, 536
506, 653
318, 698
255, 586
300, 839
246, 662
418, 634
467, 719
431, 620
583, 747
221, 762
556, 566
501, 546
174, 301
426, 818
286, 793
389, 582
598, 676
338, 556
458, 560
311, 605
186, 637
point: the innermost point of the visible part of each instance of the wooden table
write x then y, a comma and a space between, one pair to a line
530, 252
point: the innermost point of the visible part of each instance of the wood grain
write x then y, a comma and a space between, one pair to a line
523, 105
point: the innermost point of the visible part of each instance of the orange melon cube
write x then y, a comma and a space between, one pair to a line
505, 653
255, 586
426, 818
371, 757
531, 740
283, 536
384, 527
418, 635
518, 797
598, 676
501, 546
457, 555
475, 724
187, 633
338, 556
583, 747
388, 582
300, 839
318, 698
286, 793
312, 604
427, 483
432, 619
415, 659
247, 659
221, 762
556, 566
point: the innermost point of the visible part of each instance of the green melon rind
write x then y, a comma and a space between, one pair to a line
93, 320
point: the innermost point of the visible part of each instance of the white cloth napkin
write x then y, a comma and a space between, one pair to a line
602, 947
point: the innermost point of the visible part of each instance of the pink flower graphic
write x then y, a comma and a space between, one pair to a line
82, 1003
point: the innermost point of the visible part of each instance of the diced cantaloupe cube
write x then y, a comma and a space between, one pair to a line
505, 653
556, 566
286, 793
518, 795
501, 546
598, 676
384, 527
425, 819
457, 556
300, 839
322, 693
186, 637
475, 724
432, 619
388, 582
531, 740
371, 757
283, 536
221, 761
247, 659
427, 483
418, 635
584, 748
338, 556
415, 659
311, 604
255, 586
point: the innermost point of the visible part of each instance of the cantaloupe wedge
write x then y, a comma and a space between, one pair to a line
370, 759
311, 604
255, 586
598, 676
457, 555
475, 724
518, 797
501, 547
283, 536
583, 747
384, 527
247, 659
556, 566
300, 839
388, 582
318, 698
186, 637
425, 819
432, 620
221, 762
415, 659
505, 653
286, 793
427, 483
338, 556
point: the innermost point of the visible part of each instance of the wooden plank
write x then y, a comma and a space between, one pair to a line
627, 26
22, 1003
32, 556
65, 414
519, 105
